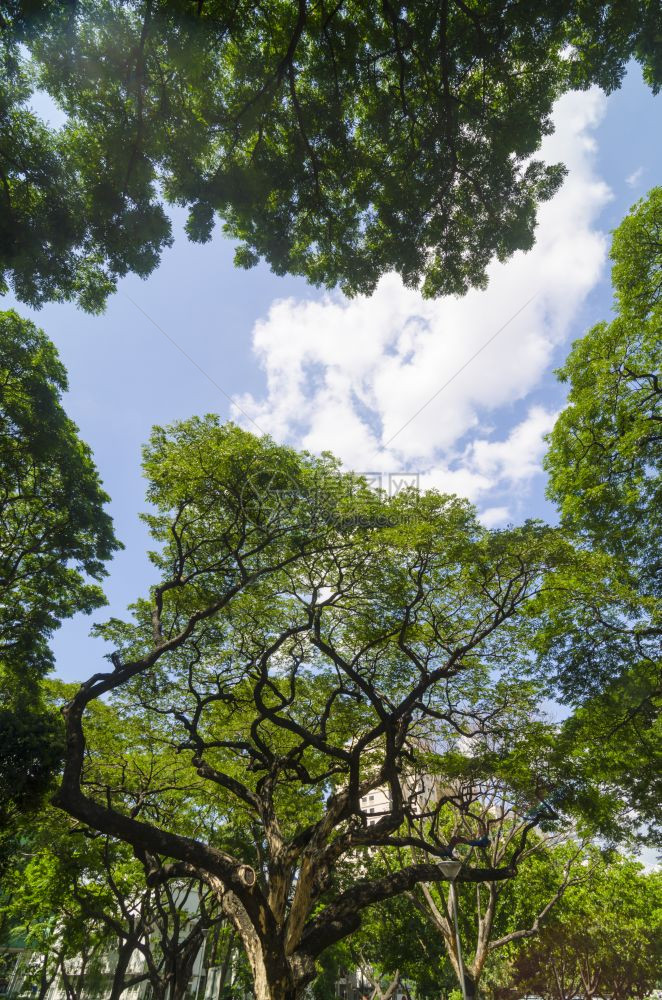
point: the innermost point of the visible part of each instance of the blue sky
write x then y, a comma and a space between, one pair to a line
318, 371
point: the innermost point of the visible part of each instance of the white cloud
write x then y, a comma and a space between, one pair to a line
351, 375
633, 179
494, 517
518, 457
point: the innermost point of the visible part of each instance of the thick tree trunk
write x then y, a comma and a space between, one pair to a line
124, 953
272, 975
274, 972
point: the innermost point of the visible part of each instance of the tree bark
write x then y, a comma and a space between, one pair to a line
183, 965
45, 981
470, 986
124, 953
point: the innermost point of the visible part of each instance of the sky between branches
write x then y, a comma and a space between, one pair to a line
319, 371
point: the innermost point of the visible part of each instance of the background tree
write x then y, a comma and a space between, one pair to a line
54, 533
180, 918
338, 141
77, 894
31, 751
304, 633
38, 902
604, 465
499, 782
392, 947
603, 939
55, 537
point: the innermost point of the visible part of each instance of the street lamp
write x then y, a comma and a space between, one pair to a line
450, 870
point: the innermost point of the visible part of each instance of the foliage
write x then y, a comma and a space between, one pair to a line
38, 903
338, 141
31, 750
604, 938
306, 636
75, 896
605, 450
604, 464
54, 539
54, 532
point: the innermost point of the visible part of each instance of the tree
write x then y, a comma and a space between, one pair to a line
604, 466
83, 900
304, 633
338, 141
122, 890
604, 939
86, 912
55, 537
499, 785
38, 900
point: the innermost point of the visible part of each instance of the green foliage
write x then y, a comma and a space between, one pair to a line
69, 893
73, 219
604, 463
39, 895
337, 142
31, 749
606, 449
54, 539
604, 937
54, 533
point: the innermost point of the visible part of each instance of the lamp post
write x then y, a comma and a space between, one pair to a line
450, 870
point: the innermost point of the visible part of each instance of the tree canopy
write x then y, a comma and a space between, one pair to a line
604, 938
309, 641
55, 537
334, 140
604, 463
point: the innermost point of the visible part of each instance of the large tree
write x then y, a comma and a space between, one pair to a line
304, 638
604, 464
334, 140
55, 536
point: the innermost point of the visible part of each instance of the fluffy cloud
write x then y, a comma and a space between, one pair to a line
395, 382
495, 517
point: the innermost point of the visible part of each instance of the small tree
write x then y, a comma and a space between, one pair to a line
498, 914
82, 898
492, 799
